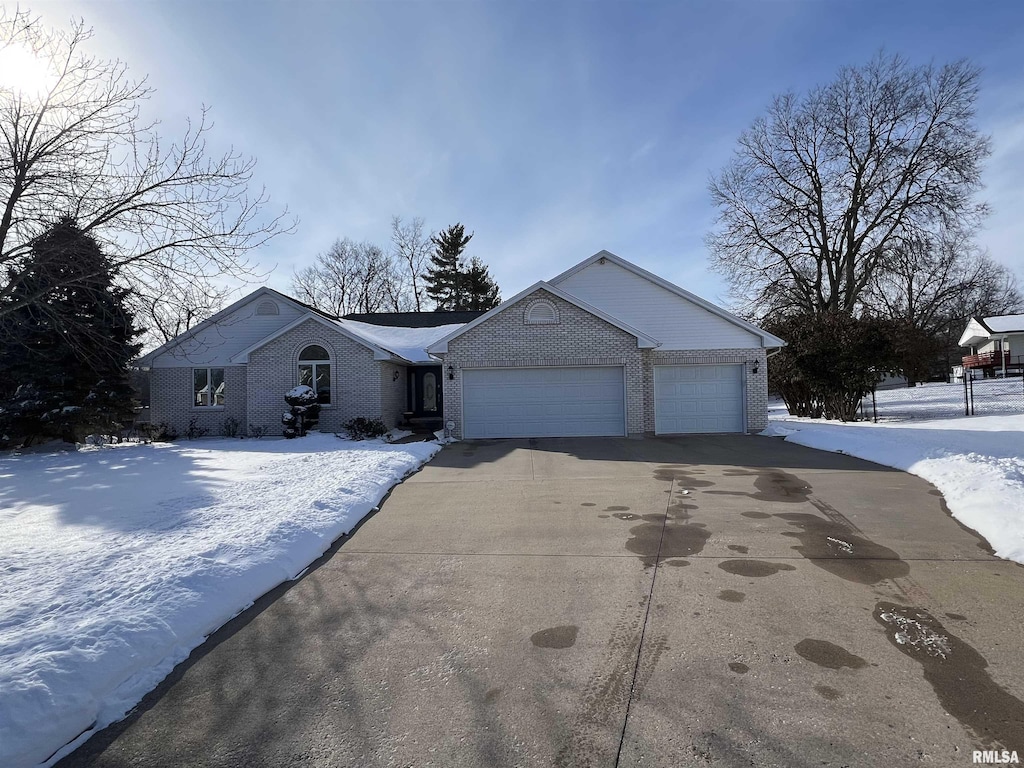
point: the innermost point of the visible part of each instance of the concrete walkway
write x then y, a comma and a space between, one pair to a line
714, 600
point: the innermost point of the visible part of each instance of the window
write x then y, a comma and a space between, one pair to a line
267, 308
315, 371
541, 312
207, 387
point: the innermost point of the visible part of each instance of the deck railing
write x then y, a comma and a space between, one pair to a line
990, 360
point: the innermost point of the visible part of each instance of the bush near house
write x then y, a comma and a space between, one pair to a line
303, 413
360, 428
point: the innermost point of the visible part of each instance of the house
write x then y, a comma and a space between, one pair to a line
996, 344
605, 348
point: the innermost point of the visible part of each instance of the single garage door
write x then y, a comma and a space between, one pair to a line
543, 402
698, 398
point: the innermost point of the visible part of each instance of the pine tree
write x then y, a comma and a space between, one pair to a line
64, 356
445, 275
481, 292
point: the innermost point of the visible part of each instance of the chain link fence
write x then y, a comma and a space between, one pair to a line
968, 397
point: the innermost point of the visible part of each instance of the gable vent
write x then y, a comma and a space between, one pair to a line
541, 312
267, 308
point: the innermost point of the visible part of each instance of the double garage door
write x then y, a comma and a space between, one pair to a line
543, 402
590, 401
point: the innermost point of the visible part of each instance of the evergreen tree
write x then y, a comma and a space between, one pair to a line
65, 342
481, 292
445, 275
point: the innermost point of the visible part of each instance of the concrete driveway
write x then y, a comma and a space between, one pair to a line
714, 600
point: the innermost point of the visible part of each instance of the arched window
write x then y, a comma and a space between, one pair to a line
267, 308
541, 312
315, 371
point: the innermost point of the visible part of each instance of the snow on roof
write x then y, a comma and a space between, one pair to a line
1005, 323
408, 343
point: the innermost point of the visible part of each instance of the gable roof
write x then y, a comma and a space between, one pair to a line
984, 328
767, 339
325, 320
308, 312
213, 319
643, 340
1004, 323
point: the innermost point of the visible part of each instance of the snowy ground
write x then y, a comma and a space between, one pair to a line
116, 562
942, 401
977, 462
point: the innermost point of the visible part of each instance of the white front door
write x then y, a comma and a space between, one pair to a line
698, 398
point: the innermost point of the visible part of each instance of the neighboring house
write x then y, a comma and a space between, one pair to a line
996, 344
605, 348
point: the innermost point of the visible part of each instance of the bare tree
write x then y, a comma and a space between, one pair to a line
173, 307
921, 278
74, 144
823, 185
928, 286
348, 277
411, 249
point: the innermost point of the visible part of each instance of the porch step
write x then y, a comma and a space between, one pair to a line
423, 424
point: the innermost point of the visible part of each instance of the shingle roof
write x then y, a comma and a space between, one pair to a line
414, 319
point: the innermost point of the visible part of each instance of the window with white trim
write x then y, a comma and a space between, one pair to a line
541, 312
315, 371
207, 387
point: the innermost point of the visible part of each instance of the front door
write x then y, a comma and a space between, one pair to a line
425, 391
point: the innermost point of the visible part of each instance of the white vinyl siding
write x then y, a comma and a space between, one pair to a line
217, 344
579, 401
671, 319
698, 398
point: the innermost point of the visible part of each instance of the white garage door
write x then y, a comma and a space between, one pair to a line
543, 402
698, 398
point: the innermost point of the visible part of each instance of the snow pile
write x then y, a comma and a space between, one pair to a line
444, 439
977, 463
408, 343
116, 562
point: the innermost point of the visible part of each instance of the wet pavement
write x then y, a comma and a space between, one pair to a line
716, 600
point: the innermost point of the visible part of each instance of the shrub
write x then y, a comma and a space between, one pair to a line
230, 427
256, 432
161, 433
832, 361
194, 430
362, 429
304, 411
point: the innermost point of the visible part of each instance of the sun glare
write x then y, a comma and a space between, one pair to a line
23, 72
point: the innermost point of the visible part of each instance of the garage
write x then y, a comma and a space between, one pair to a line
698, 398
543, 402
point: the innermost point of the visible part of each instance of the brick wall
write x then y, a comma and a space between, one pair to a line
274, 369
393, 392
171, 400
756, 383
579, 338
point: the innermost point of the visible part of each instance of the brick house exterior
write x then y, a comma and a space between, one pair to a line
578, 339
604, 330
582, 339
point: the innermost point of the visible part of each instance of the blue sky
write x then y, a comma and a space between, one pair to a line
552, 130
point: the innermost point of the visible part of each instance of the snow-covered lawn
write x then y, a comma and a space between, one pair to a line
943, 401
977, 462
116, 562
